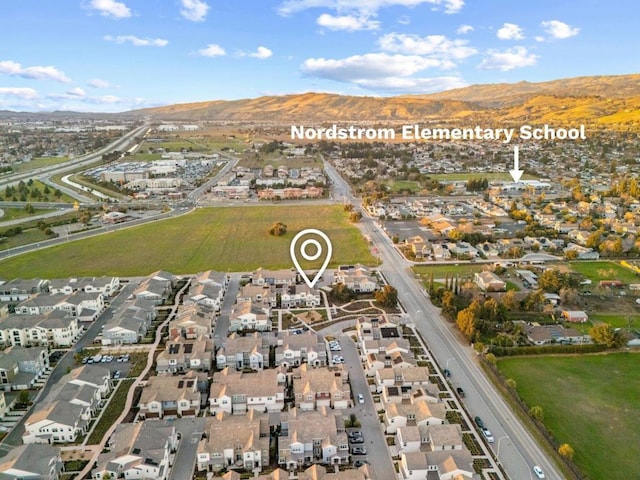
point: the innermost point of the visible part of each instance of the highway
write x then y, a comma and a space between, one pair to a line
518, 451
83, 161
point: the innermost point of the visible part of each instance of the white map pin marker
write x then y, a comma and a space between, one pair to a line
293, 250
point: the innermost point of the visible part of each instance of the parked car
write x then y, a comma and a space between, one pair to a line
360, 398
359, 450
357, 440
116, 375
354, 434
446, 372
538, 471
359, 463
479, 422
460, 392
488, 435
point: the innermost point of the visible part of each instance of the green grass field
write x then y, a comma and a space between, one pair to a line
617, 320
19, 213
397, 185
439, 271
477, 176
39, 162
590, 402
604, 270
227, 239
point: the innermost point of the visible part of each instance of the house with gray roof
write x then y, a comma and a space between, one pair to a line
138, 450
182, 354
56, 422
108, 286
17, 290
21, 368
33, 462
56, 328
129, 324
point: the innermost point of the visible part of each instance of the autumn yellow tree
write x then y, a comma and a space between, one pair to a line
466, 322
566, 451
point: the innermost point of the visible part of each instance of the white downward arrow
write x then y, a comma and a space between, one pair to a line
516, 173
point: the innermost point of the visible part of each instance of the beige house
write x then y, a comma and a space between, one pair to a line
191, 322
489, 282
454, 465
234, 442
174, 396
314, 436
249, 316
418, 412
182, 354
321, 387
237, 392
429, 438
242, 352
293, 350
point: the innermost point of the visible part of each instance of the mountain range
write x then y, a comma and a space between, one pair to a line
611, 101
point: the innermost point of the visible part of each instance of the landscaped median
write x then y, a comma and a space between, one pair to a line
111, 412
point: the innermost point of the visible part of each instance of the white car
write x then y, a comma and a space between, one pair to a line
360, 398
538, 471
487, 434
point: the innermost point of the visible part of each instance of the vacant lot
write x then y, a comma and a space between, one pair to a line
396, 186
596, 271
590, 402
227, 239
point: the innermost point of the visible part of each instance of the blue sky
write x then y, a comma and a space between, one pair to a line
117, 55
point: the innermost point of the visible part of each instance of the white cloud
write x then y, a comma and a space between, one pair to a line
76, 92
463, 29
19, 92
212, 50
364, 7
261, 53
99, 83
404, 20
413, 85
14, 69
194, 10
437, 46
137, 41
110, 8
510, 31
349, 23
539, 38
559, 30
515, 57
363, 68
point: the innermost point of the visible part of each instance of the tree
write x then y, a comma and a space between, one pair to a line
348, 207
604, 334
278, 229
536, 413
23, 397
565, 450
509, 300
342, 293
355, 217
29, 208
466, 322
491, 358
387, 296
511, 383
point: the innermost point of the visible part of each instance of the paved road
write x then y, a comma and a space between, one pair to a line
377, 452
191, 430
518, 450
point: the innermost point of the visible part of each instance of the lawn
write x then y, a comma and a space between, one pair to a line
477, 176
111, 412
590, 402
440, 271
617, 320
39, 162
18, 213
397, 185
596, 271
226, 239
